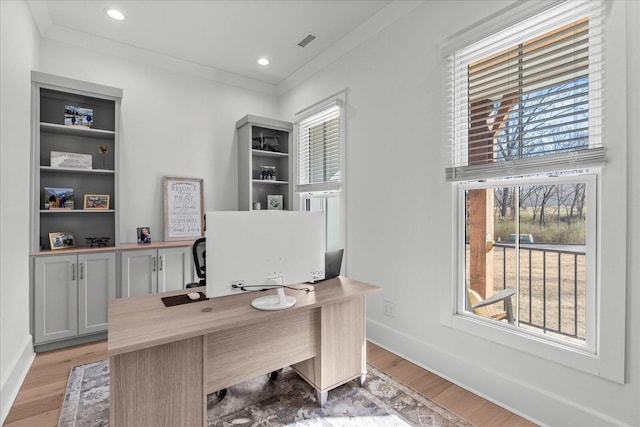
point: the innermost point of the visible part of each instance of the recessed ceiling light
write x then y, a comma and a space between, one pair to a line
263, 61
115, 14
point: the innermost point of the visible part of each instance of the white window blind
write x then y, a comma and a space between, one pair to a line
319, 145
528, 99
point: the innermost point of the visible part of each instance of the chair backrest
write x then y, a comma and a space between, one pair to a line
475, 298
199, 258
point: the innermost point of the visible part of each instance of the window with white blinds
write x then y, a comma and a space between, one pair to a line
529, 98
319, 158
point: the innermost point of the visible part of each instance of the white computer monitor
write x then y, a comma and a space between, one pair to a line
255, 250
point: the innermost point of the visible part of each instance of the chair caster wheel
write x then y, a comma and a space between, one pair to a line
273, 375
221, 394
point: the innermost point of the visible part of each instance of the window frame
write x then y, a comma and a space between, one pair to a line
339, 232
337, 99
590, 179
612, 226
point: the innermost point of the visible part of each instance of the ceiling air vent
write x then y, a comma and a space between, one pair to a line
305, 41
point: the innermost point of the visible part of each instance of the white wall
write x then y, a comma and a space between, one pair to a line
19, 45
395, 237
172, 125
399, 223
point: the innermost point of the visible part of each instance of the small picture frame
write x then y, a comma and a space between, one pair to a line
144, 235
268, 173
58, 198
62, 240
96, 201
274, 202
78, 116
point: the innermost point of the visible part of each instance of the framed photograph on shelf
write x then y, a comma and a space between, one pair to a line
62, 240
144, 235
274, 202
268, 173
78, 116
96, 201
58, 198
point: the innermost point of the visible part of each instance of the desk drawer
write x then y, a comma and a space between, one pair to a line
244, 352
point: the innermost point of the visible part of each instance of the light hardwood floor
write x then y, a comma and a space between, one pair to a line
40, 399
456, 399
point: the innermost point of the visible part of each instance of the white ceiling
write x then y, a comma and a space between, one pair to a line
224, 36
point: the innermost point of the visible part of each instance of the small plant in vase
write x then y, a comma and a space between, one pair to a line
103, 150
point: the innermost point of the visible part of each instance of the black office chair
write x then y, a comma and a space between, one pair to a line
199, 254
199, 250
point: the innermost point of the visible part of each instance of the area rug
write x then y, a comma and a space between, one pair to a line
287, 401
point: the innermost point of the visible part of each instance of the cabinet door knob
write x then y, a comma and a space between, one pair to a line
73, 272
160, 262
155, 262
82, 271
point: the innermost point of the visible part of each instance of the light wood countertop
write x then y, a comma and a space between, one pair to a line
120, 247
143, 321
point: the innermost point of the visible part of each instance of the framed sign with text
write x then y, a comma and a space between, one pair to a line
183, 208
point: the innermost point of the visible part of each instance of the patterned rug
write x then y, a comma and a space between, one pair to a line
287, 401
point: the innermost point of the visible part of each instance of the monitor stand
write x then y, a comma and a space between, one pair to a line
274, 302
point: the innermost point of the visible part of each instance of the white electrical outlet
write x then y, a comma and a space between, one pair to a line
389, 309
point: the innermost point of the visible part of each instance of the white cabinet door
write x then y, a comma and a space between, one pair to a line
96, 286
56, 297
174, 268
139, 272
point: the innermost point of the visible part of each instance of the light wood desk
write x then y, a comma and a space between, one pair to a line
165, 360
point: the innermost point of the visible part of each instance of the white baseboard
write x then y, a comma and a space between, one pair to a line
17, 372
538, 407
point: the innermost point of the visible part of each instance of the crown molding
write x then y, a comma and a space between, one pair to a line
51, 31
387, 16
381, 20
41, 15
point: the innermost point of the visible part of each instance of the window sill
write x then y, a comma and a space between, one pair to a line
500, 333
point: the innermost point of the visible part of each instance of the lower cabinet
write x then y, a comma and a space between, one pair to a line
71, 291
147, 271
71, 294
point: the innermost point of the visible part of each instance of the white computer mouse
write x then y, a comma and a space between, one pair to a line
194, 295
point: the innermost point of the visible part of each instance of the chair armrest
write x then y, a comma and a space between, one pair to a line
505, 296
500, 296
193, 285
